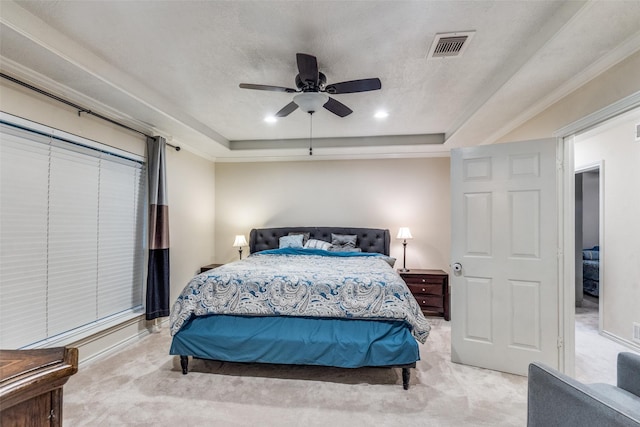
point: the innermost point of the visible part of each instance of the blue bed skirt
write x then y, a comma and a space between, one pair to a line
344, 343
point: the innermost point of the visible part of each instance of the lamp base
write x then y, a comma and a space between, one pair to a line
404, 268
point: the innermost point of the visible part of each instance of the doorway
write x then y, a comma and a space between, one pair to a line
605, 136
588, 262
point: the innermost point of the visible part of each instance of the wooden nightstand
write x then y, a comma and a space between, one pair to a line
209, 267
430, 288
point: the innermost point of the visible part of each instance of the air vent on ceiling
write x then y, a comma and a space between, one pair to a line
450, 45
637, 132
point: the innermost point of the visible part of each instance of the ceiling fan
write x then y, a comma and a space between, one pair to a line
312, 89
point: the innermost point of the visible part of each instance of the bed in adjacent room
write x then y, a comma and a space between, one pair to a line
324, 296
591, 271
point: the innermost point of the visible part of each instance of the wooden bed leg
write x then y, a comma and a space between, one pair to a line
406, 376
184, 363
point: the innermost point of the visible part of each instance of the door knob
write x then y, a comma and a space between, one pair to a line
457, 267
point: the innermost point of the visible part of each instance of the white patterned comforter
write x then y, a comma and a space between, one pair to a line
309, 283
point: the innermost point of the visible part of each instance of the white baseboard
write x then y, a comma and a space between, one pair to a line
633, 346
110, 348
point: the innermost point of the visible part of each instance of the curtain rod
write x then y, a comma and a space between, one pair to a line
78, 107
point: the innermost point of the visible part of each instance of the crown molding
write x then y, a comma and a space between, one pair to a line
40, 81
596, 118
66, 49
606, 62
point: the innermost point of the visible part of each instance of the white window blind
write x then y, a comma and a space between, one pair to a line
71, 235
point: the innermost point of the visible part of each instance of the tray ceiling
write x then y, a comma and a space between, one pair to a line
173, 68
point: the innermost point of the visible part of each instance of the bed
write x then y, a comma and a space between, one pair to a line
324, 296
591, 271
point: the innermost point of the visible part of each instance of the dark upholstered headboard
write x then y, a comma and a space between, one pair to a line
369, 239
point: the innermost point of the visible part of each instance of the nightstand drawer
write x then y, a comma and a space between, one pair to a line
422, 280
426, 289
427, 301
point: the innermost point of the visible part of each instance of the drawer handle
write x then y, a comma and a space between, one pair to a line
424, 302
424, 290
424, 280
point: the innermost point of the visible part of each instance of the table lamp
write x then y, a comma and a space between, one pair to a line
239, 243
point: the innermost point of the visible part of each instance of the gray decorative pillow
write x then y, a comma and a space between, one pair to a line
291, 241
305, 236
317, 244
345, 240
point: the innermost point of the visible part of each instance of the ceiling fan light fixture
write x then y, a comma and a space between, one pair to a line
310, 102
313, 85
381, 115
271, 119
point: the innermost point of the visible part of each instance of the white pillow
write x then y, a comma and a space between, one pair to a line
317, 244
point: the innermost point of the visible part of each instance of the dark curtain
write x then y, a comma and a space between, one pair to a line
158, 269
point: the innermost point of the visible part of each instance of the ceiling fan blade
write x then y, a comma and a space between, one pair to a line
287, 109
266, 87
353, 86
337, 108
308, 68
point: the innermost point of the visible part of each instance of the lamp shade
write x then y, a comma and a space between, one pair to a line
240, 241
404, 233
310, 102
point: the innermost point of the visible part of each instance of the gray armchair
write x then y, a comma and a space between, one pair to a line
555, 399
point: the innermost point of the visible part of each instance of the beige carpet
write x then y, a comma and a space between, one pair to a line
143, 386
596, 356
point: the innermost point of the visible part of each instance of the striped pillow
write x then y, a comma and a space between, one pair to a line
317, 244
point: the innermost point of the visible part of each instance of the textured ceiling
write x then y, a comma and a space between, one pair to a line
173, 68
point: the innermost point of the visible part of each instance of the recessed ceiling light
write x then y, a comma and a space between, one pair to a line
381, 115
270, 119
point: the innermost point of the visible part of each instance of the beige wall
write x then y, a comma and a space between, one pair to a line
191, 196
618, 82
361, 193
614, 144
191, 187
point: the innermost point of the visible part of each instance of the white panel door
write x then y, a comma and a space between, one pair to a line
505, 296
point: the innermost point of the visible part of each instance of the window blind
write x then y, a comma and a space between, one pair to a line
71, 235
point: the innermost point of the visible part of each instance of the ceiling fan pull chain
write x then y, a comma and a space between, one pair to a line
310, 132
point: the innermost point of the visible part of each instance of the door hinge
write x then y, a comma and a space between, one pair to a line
559, 164
560, 342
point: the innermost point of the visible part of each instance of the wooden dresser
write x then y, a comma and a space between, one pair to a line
430, 288
31, 385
